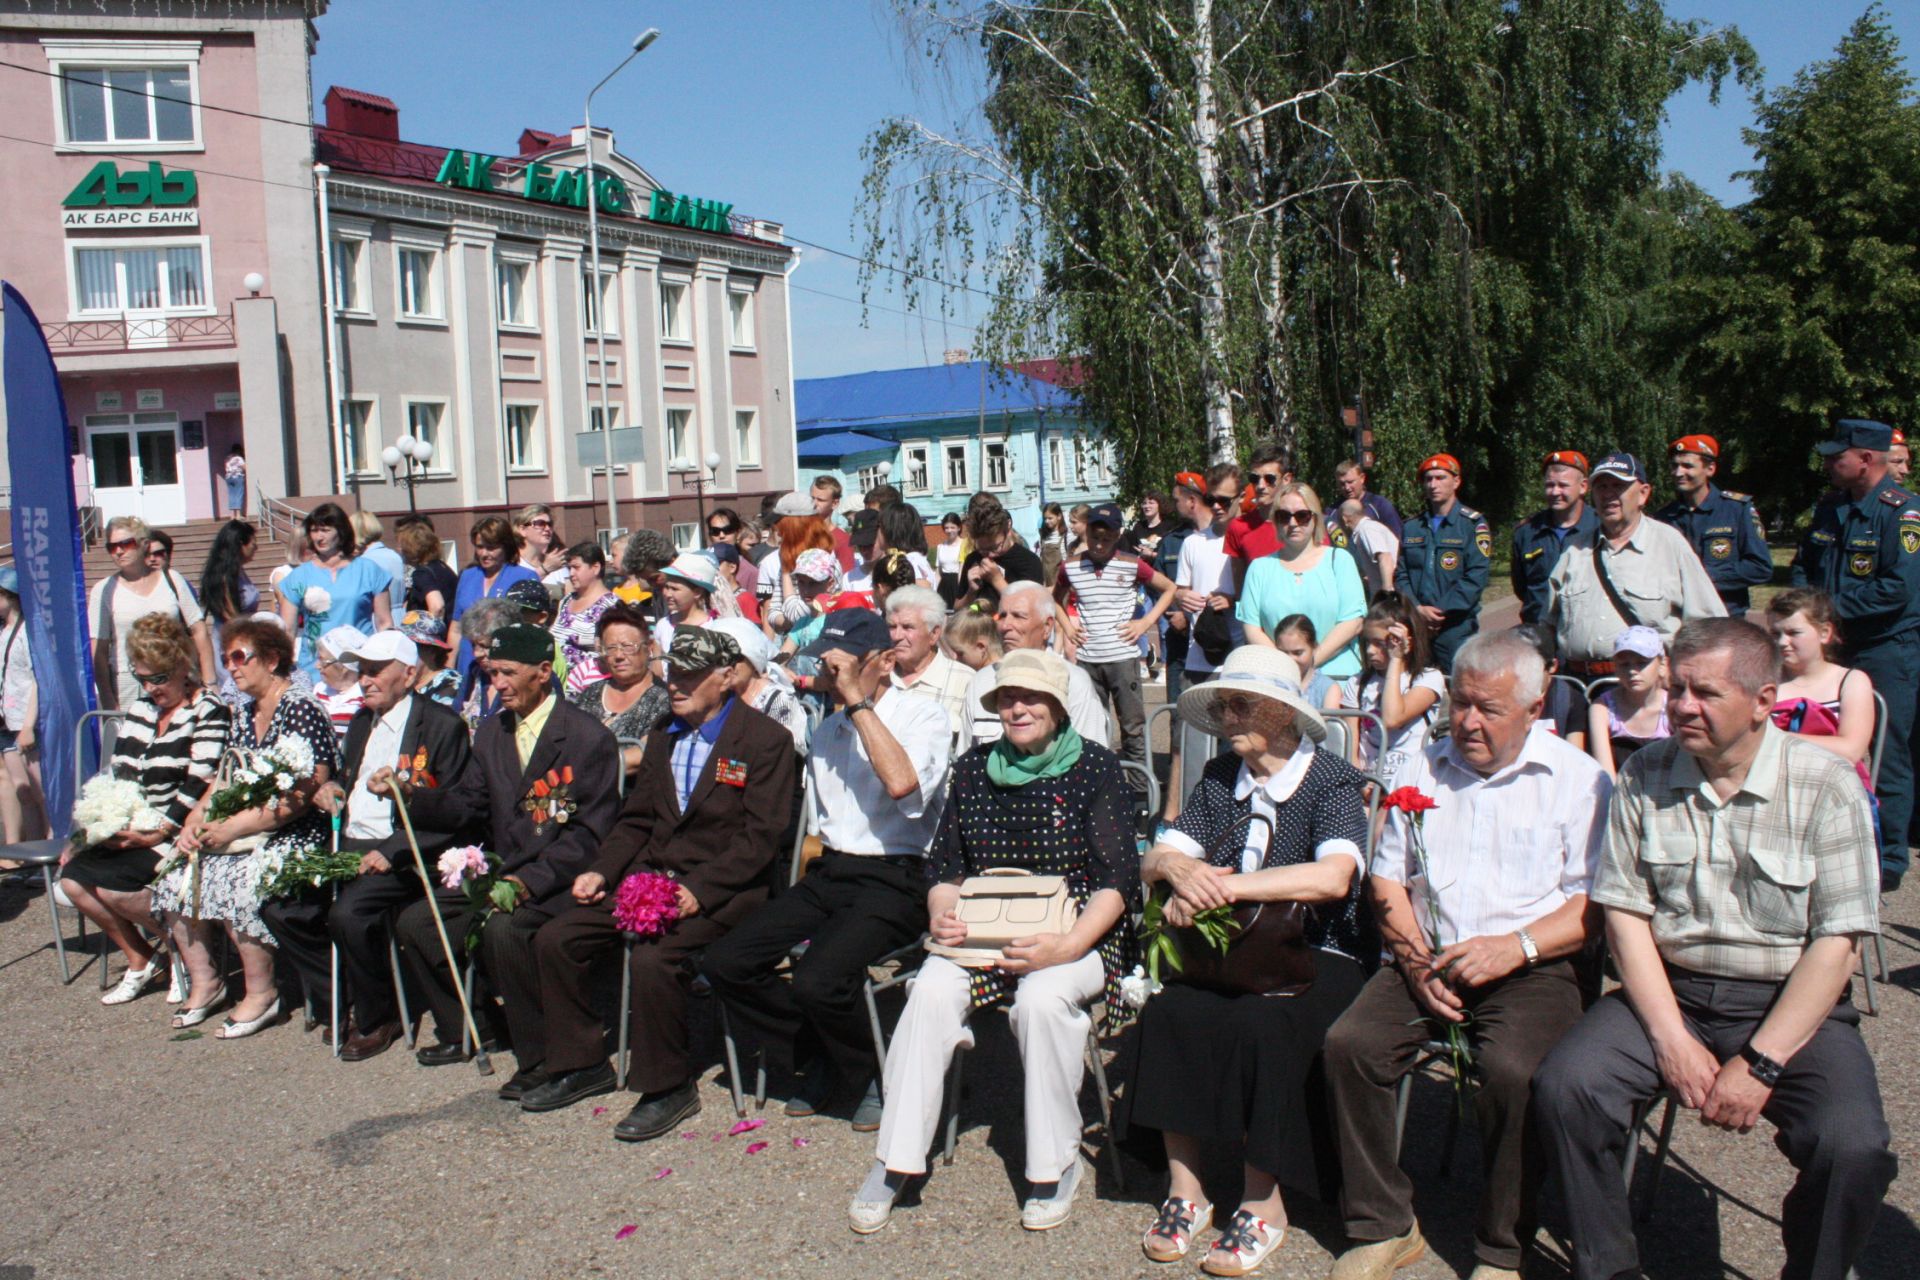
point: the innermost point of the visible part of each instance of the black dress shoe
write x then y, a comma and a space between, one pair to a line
524, 1079
442, 1055
659, 1113
566, 1089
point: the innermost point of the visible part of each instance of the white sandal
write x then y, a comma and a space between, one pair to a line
133, 984
231, 1030
1243, 1246
194, 1015
1171, 1236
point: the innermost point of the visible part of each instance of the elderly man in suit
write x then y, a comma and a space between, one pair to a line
394, 728
710, 810
543, 838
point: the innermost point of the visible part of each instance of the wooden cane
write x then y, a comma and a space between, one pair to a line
480, 1059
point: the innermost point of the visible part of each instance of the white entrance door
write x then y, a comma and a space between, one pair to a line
134, 460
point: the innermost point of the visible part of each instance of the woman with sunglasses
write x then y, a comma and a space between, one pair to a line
629, 701
336, 588
136, 588
170, 744
1306, 576
533, 524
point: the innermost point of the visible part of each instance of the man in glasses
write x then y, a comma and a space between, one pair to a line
1251, 533
1444, 560
1207, 586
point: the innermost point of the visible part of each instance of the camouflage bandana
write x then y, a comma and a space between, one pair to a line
701, 649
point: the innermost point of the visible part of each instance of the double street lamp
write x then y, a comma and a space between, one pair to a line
408, 452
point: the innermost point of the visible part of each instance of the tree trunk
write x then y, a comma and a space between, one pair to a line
1213, 282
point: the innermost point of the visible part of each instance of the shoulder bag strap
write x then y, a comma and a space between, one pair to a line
1620, 604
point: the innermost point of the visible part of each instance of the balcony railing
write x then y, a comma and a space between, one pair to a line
143, 333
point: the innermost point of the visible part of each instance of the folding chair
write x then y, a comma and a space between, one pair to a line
1874, 756
45, 854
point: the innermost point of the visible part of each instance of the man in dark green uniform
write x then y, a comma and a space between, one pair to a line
1863, 549
1444, 560
1541, 537
1722, 526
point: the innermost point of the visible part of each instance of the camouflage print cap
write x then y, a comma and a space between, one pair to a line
701, 649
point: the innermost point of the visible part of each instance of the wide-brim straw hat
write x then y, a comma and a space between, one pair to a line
1035, 670
1262, 672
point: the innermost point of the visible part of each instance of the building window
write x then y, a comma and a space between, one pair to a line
348, 257
516, 292
686, 537
116, 105
596, 422
993, 462
419, 283
362, 431
1082, 464
868, 477
425, 422
140, 277
675, 324
959, 478
524, 451
679, 438
746, 438
917, 475
740, 317
1057, 462
606, 302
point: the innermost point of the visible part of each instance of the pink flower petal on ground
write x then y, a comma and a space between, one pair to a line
689, 1135
799, 1143
755, 1148
662, 1173
599, 1111
745, 1126
626, 1231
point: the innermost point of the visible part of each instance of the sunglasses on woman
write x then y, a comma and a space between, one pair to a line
153, 681
720, 530
123, 544
1293, 517
237, 657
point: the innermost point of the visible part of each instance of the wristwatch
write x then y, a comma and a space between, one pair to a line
865, 704
1528, 947
1764, 1069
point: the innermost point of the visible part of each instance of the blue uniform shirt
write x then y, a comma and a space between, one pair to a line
1726, 534
1537, 544
1444, 560
1866, 555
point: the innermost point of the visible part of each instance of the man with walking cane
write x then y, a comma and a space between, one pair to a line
543, 779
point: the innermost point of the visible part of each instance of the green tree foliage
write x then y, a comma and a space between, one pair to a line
1799, 307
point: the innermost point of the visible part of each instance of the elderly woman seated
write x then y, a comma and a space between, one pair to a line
170, 744
1232, 1063
1039, 800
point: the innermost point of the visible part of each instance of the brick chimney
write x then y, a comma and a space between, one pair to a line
366, 115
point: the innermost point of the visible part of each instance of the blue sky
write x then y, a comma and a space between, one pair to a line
765, 103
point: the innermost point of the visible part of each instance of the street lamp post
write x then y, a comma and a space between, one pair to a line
598, 300
408, 452
712, 461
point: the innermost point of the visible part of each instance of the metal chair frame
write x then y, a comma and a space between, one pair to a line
45, 854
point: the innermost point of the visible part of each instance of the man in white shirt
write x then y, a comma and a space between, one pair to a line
1482, 903
1373, 545
1025, 621
1205, 582
877, 776
916, 618
393, 729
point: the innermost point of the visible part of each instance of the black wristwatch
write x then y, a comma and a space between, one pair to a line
865, 704
1764, 1069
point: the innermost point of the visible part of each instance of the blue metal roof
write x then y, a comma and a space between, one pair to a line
835, 445
920, 394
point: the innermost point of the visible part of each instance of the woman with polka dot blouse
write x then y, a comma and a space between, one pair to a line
1041, 799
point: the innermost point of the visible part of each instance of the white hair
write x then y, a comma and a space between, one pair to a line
1493, 653
1024, 587
932, 609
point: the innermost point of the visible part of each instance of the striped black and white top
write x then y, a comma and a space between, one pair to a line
1108, 597
176, 767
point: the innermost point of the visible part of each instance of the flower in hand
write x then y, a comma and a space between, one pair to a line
647, 904
457, 866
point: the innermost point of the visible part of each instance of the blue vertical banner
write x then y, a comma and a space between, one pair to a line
46, 546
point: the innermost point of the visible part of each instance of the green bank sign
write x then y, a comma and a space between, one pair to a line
146, 196
472, 171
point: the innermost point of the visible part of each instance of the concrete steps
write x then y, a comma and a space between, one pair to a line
191, 543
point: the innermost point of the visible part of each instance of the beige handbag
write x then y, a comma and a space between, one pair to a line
1003, 904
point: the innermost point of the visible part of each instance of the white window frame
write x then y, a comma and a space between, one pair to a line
436, 279
203, 243
529, 321
607, 302
367, 435
746, 438
908, 450
1083, 475
1057, 457
1006, 465
535, 461
683, 458
441, 464
81, 54
362, 242
685, 535
676, 326
742, 306
948, 453
615, 410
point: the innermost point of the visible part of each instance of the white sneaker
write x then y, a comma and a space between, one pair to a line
133, 984
1045, 1215
868, 1216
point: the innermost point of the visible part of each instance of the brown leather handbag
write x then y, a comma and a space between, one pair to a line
1267, 952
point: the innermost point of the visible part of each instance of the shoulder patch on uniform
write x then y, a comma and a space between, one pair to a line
1737, 497
1469, 513
1895, 496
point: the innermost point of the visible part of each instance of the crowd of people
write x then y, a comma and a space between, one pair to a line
1414, 831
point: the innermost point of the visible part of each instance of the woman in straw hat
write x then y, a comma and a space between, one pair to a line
1277, 821
1044, 800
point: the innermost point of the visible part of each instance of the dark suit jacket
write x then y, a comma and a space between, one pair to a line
449, 752
721, 846
546, 857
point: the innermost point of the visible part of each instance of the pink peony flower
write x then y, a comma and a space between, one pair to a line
647, 904
461, 864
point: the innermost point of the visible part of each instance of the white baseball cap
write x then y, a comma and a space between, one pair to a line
387, 646
342, 641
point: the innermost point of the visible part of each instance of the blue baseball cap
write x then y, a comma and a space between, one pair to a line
855, 631
1621, 466
1106, 513
1856, 433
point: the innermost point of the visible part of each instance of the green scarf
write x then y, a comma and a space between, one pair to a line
1008, 766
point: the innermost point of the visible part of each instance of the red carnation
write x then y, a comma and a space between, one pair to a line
1409, 800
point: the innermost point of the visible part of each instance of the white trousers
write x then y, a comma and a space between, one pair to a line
1050, 1021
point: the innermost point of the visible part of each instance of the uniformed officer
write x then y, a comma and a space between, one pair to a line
1863, 549
1444, 560
1541, 537
1722, 526
1899, 460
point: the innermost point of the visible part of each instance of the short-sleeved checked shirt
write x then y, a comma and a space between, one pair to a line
946, 682
1739, 888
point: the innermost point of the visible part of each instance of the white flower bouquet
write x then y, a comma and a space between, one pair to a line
106, 806
316, 600
297, 870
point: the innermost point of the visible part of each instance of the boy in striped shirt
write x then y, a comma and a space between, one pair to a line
1105, 634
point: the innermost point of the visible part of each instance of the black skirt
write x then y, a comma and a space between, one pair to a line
115, 870
1224, 1068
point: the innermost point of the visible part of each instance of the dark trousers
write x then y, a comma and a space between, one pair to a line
356, 922
1376, 1042
570, 947
854, 909
1826, 1110
1894, 666
1454, 632
506, 969
1118, 684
